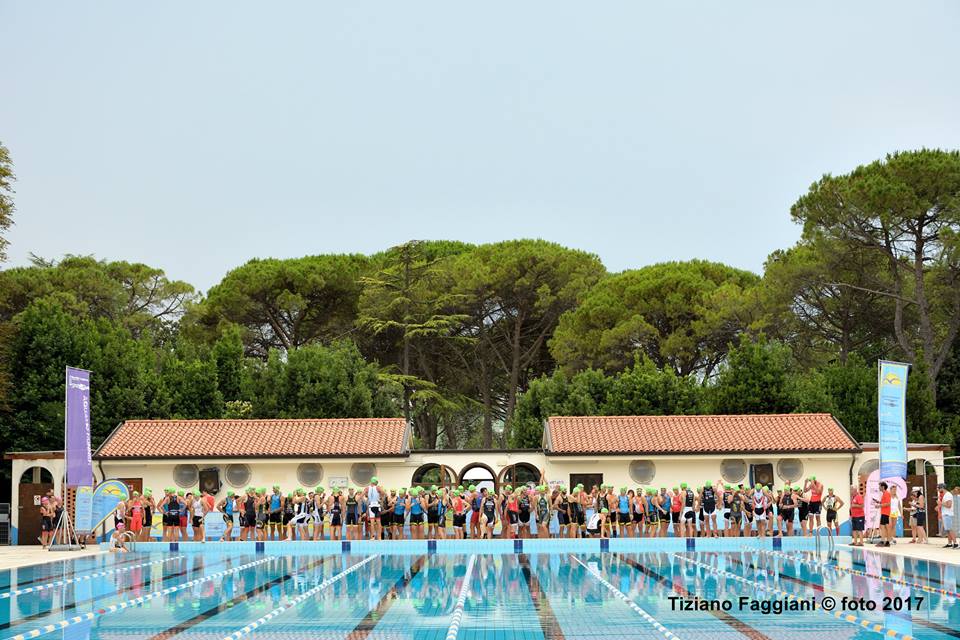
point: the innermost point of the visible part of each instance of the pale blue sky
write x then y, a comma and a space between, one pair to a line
196, 135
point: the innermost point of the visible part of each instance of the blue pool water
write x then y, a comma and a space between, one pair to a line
223, 593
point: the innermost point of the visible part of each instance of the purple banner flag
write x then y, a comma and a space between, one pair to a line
79, 467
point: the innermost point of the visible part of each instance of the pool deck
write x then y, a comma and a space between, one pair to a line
13, 557
933, 550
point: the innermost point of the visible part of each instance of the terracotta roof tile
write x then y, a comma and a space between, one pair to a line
263, 438
697, 434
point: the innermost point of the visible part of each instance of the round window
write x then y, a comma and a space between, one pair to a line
642, 471
309, 474
186, 475
362, 472
733, 470
237, 475
790, 469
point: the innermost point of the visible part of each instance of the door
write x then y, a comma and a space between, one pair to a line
28, 529
927, 484
588, 480
762, 473
133, 484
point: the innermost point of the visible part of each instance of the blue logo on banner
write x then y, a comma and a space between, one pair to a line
892, 419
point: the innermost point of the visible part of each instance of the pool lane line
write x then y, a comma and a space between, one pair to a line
296, 601
864, 574
454, 629
549, 624
227, 604
629, 602
71, 571
134, 602
840, 615
363, 628
64, 607
675, 585
930, 624
60, 583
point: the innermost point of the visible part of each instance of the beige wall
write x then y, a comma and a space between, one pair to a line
832, 469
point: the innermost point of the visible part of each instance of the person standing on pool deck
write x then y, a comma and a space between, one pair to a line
372, 496
813, 507
948, 512
490, 506
708, 498
275, 519
918, 517
787, 505
832, 503
760, 509
884, 504
857, 516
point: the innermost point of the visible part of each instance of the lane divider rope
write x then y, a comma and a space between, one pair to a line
454, 629
839, 614
239, 633
857, 572
629, 601
60, 583
134, 602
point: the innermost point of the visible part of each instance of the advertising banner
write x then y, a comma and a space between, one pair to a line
77, 425
83, 508
106, 497
892, 419
213, 525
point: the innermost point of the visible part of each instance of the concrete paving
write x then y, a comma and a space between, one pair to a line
11, 557
933, 550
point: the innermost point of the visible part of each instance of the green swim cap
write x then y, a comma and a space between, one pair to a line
473, 487
136, 493
403, 489
757, 486
374, 480
683, 485
604, 510
180, 493
277, 487
290, 495
829, 488
230, 494
433, 488
318, 489
813, 477
460, 487
148, 493
675, 489
623, 489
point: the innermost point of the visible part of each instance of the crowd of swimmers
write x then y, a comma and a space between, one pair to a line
462, 512
372, 512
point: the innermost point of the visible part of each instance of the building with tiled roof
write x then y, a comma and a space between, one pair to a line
626, 451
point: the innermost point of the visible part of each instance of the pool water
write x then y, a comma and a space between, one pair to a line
217, 594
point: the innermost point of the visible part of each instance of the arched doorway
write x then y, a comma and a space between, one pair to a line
478, 474
433, 474
519, 475
35, 484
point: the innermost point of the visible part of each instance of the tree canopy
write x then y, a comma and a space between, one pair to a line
476, 345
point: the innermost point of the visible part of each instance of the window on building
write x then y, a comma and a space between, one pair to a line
309, 474
362, 472
790, 469
186, 475
237, 475
733, 470
642, 471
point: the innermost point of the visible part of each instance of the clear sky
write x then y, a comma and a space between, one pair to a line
194, 136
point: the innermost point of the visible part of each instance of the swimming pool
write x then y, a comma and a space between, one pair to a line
233, 593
